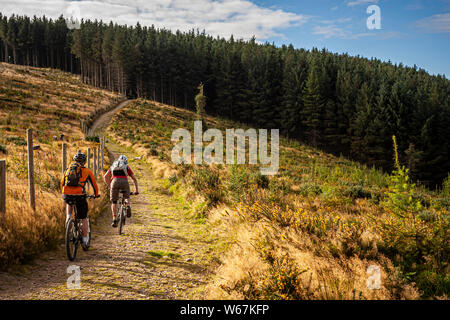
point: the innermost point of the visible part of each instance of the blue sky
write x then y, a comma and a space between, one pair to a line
412, 31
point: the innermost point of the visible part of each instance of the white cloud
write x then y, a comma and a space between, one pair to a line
358, 2
242, 18
439, 23
330, 31
336, 21
333, 31
343, 20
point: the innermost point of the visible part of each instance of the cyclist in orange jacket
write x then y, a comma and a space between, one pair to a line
73, 185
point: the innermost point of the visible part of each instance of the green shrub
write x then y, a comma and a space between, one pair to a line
130, 136
329, 192
446, 187
48, 182
427, 215
307, 189
238, 182
93, 138
279, 186
3, 149
207, 181
152, 149
173, 178
357, 192
442, 203
159, 126
261, 180
278, 189
416, 239
400, 195
283, 281
200, 102
432, 283
19, 141
18, 165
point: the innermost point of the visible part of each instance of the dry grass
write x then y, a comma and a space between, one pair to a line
312, 231
160, 168
52, 103
247, 269
256, 264
23, 232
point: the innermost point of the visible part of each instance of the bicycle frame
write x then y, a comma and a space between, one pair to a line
74, 233
121, 213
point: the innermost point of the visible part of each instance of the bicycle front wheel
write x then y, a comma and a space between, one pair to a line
71, 240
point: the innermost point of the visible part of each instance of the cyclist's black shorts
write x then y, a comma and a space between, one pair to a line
80, 202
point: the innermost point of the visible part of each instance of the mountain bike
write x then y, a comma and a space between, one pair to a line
122, 214
74, 235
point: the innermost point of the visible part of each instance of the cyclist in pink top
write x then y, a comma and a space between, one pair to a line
117, 179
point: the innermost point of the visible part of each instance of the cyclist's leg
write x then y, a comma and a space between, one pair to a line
114, 197
68, 210
68, 207
125, 186
84, 227
126, 196
82, 211
114, 209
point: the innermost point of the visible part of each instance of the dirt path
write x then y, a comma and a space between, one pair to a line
99, 124
161, 255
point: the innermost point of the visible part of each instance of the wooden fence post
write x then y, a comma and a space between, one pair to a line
64, 157
89, 158
95, 162
2, 186
31, 168
100, 155
98, 161
103, 152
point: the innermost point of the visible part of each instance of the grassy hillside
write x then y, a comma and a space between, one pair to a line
52, 103
310, 232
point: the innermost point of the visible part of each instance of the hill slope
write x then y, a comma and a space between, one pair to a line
52, 103
344, 104
311, 232
160, 255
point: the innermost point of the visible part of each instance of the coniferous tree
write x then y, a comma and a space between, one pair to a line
313, 105
348, 105
294, 75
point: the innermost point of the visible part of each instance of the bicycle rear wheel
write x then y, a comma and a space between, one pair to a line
121, 219
71, 240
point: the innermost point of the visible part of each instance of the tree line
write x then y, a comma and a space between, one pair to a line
342, 104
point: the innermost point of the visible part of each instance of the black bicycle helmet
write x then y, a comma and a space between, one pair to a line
80, 157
